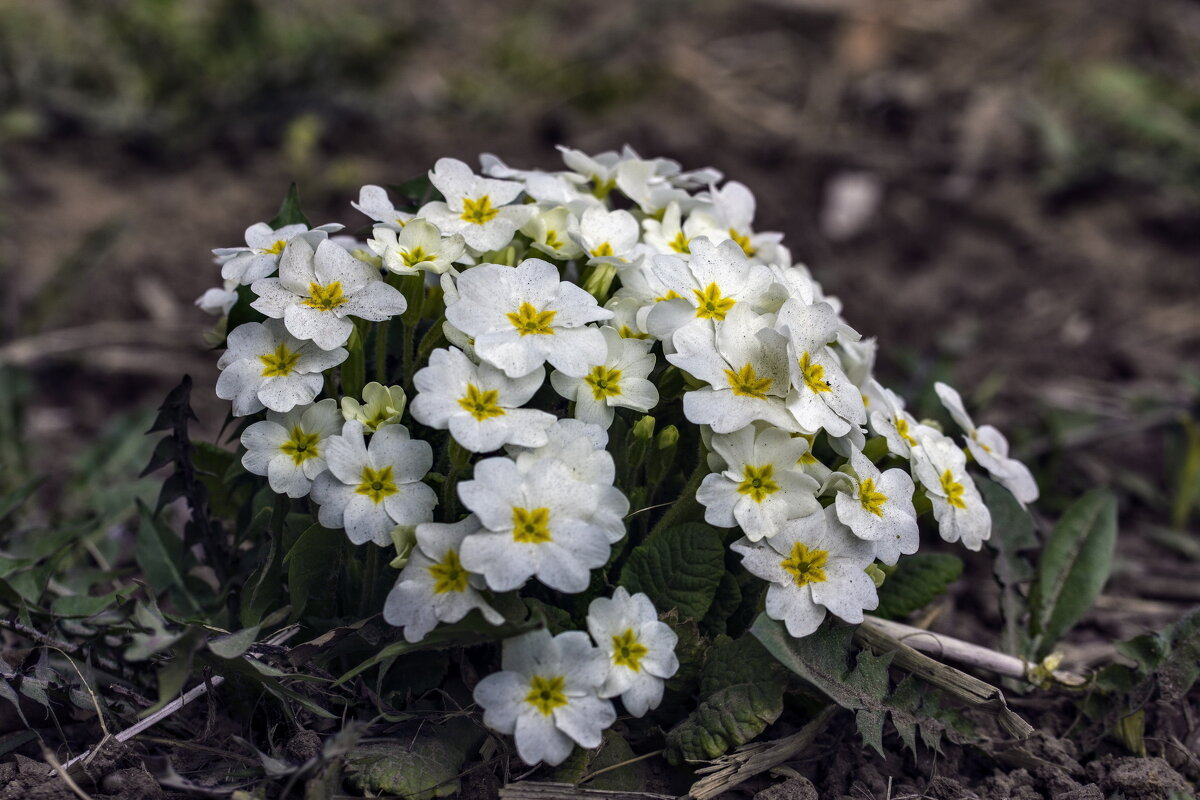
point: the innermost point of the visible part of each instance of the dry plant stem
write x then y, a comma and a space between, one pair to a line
38, 636
63, 774
624, 763
542, 790
962, 652
954, 682
757, 757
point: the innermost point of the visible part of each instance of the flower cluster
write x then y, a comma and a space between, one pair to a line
550, 305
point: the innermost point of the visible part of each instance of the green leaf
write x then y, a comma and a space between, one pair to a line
1073, 568
159, 552
235, 644
1013, 530
419, 768
734, 661
15, 499
81, 605
289, 211
311, 565
916, 581
679, 568
613, 750
726, 601
726, 719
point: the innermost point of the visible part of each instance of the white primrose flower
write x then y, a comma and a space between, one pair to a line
880, 509
941, 467
822, 397
381, 405
745, 365
890, 420
537, 526
990, 449
625, 311
522, 317
549, 232
479, 404
218, 300
647, 183
545, 695
373, 201
707, 286
581, 447
418, 247
671, 235
729, 214
368, 490
317, 290
618, 380
477, 208
815, 564
762, 484
264, 246
434, 586
289, 448
600, 169
640, 649
605, 235
266, 367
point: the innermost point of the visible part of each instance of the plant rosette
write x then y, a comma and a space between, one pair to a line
568, 370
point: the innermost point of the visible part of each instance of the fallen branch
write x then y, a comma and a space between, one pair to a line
974, 655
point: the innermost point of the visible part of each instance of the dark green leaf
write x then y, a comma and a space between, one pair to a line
916, 581
289, 211
678, 568
613, 750
15, 499
311, 565
726, 601
81, 605
235, 644
1012, 532
159, 552
1073, 568
419, 768
732, 716
734, 661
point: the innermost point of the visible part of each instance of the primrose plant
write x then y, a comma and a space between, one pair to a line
553, 353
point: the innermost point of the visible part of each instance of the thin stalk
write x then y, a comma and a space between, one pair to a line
370, 578
381, 337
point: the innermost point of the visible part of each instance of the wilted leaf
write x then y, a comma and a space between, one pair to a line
679, 568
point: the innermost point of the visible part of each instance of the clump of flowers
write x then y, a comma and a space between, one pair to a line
528, 332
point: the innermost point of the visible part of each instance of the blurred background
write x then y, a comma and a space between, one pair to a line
1006, 194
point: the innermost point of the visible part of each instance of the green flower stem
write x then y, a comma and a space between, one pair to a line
354, 368
687, 497
381, 343
370, 578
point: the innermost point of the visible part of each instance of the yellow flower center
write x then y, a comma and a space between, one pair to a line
276, 248
743, 241
481, 405
325, 298
301, 446
479, 211
377, 484
546, 694
902, 429
552, 240
711, 305
670, 295
280, 363
953, 490
813, 374
527, 319
415, 256
871, 499
604, 382
601, 188
680, 243
531, 526
602, 250
448, 574
804, 565
758, 482
627, 332
746, 383
628, 651
808, 457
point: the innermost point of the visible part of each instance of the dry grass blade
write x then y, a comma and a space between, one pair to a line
757, 757
538, 790
956, 683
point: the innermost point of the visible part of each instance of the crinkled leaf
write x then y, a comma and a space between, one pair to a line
734, 661
916, 581
724, 720
1073, 568
416, 768
679, 568
726, 601
310, 565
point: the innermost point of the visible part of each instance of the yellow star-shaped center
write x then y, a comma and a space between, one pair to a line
528, 320
804, 565
325, 298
